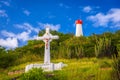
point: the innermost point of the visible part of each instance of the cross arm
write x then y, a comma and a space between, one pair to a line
39, 38
55, 37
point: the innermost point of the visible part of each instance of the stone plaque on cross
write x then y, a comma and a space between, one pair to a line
47, 38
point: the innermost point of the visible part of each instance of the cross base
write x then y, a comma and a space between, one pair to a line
46, 67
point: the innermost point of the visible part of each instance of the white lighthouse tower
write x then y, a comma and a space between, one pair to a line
78, 28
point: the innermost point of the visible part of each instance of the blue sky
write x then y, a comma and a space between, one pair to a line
21, 20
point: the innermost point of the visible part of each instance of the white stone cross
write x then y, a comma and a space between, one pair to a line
47, 38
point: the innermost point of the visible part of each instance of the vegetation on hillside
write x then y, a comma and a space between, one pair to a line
68, 46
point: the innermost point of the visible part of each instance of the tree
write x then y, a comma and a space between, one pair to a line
2, 50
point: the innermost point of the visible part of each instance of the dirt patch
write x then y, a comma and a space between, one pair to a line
16, 72
105, 68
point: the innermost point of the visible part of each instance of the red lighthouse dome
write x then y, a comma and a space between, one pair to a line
78, 22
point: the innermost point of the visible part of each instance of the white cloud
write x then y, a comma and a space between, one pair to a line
100, 19
26, 12
27, 27
52, 27
5, 3
87, 9
9, 42
7, 34
3, 13
24, 36
112, 17
11, 38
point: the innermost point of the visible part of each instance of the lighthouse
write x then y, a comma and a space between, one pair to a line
78, 28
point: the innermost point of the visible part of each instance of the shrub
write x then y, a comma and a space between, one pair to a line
33, 74
7, 59
38, 74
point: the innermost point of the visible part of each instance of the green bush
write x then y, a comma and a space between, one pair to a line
27, 58
33, 74
7, 60
38, 74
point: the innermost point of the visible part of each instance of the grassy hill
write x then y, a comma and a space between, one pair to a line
82, 69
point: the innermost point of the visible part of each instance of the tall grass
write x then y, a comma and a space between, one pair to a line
116, 68
77, 69
85, 69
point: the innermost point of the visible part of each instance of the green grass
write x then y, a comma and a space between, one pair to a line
86, 69
82, 69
